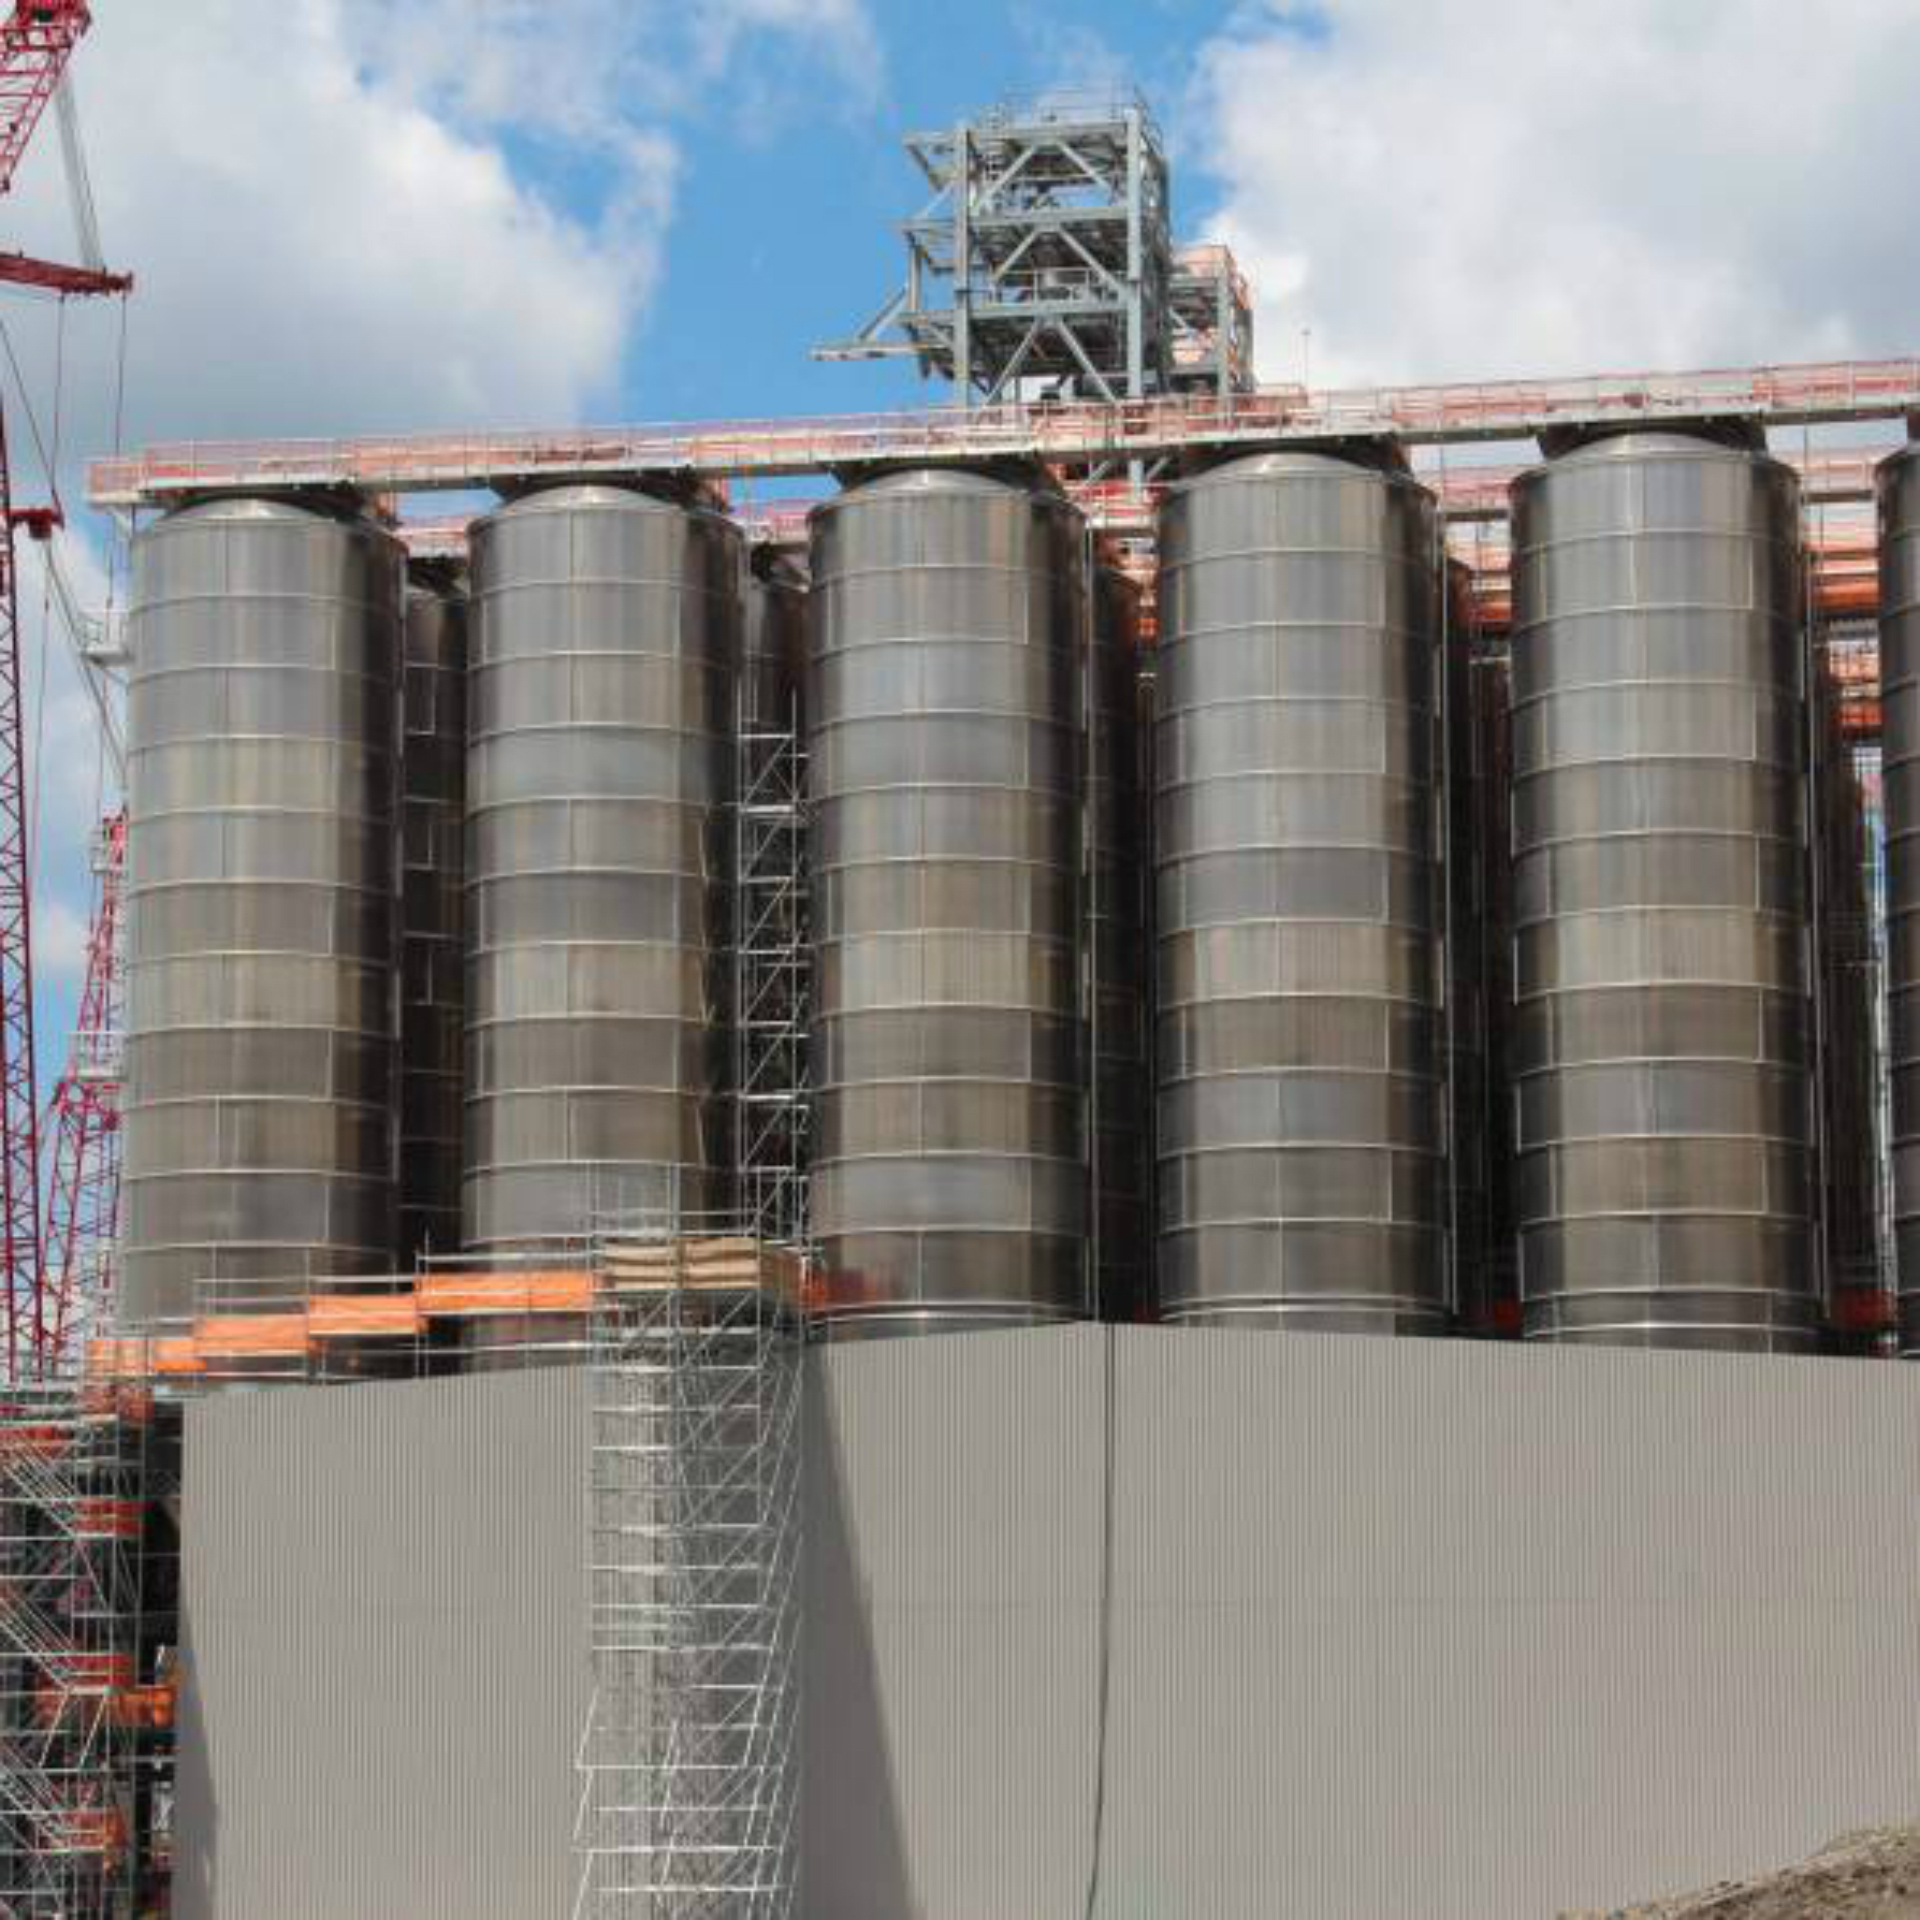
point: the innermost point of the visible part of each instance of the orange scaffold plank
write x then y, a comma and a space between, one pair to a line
251, 1336
363, 1316
462, 1295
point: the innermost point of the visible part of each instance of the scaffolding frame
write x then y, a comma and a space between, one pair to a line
689, 1764
85, 1678
772, 983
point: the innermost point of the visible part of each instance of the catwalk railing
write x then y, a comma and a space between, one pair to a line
1081, 433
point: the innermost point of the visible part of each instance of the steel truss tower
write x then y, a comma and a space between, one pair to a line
689, 1766
85, 1710
772, 975
1044, 263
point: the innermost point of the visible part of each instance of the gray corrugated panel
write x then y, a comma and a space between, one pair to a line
951, 1594
1445, 1629
385, 1599
1399, 1628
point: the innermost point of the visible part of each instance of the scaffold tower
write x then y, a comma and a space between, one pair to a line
84, 1708
689, 1763
772, 976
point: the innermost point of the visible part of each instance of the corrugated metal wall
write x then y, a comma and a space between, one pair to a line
385, 1598
1418, 1628
1398, 1628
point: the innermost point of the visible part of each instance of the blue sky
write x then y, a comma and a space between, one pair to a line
745, 292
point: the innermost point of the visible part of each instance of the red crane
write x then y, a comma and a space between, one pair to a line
84, 1119
37, 38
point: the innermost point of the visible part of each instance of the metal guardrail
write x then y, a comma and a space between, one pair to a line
1826, 392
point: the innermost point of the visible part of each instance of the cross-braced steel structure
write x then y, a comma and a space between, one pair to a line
689, 1765
1045, 263
80, 1797
772, 975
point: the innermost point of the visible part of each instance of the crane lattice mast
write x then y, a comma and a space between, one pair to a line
37, 38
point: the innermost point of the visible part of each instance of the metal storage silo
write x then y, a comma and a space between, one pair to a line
1899, 493
950, 1173
262, 1039
1116, 906
604, 638
433, 892
1661, 1052
1299, 1124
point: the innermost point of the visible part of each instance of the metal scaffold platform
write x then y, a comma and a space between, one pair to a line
689, 1765
86, 1693
771, 982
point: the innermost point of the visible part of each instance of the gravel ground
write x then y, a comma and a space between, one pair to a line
1870, 1875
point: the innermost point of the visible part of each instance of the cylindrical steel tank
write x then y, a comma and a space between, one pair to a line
433, 893
262, 1019
1661, 1054
604, 649
1116, 906
1299, 1127
948, 628
1899, 490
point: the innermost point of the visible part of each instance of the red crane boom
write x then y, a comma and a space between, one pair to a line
37, 38
84, 1120
35, 46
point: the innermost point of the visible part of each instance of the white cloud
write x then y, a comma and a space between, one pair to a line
1452, 189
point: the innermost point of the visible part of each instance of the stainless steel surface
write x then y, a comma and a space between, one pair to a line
605, 635
262, 1018
1899, 489
1661, 1048
947, 620
432, 912
1116, 902
1298, 1131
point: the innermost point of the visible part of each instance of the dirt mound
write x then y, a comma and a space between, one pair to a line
1870, 1875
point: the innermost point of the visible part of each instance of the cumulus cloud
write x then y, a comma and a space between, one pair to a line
1460, 190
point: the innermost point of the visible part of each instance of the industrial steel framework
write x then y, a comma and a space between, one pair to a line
772, 975
1045, 255
689, 1763
37, 39
79, 1702
84, 1120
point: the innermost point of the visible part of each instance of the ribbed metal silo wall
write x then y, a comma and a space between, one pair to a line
1899, 508
604, 636
1299, 1126
263, 906
1117, 949
950, 1175
1663, 1053
433, 896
